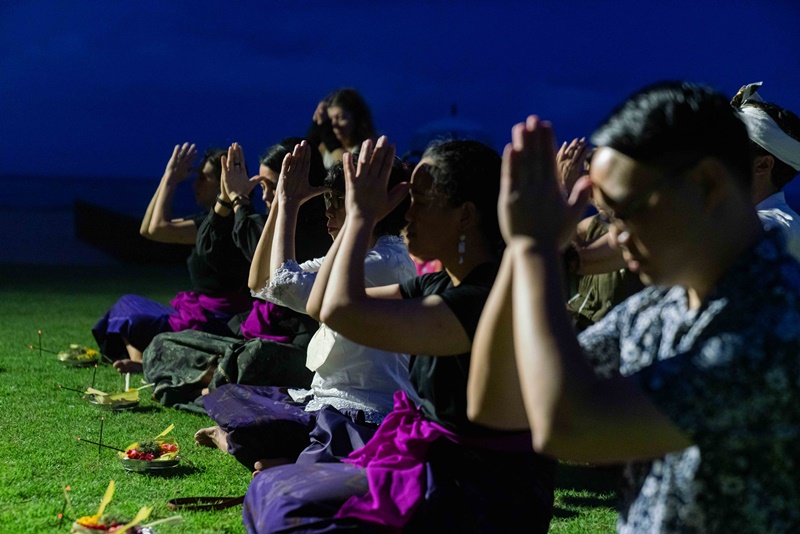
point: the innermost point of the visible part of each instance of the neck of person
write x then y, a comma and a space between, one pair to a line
762, 188
733, 234
458, 266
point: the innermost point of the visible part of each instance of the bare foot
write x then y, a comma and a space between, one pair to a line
212, 436
265, 463
128, 366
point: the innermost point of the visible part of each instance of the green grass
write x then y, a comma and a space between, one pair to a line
40, 452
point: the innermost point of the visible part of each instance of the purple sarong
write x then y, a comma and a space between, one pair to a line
138, 320
265, 422
427, 480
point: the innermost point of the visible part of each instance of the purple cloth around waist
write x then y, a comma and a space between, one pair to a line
193, 309
263, 322
395, 463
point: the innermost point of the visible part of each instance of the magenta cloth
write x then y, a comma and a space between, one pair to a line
395, 462
425, 267
263, 321
193, 308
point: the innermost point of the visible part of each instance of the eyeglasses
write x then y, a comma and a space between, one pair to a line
333, 200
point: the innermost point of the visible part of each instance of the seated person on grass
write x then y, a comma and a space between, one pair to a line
427, 468
703, 406
223, 245
352, 386
271, 340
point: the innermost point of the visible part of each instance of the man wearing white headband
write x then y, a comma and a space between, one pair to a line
774, 134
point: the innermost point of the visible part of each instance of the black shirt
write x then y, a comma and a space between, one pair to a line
441, 381
220, 259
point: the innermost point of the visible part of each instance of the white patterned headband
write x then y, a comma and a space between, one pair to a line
764, 131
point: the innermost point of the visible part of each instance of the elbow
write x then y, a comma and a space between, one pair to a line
553, 436
314, 313
333, 314
476, 414
253, 285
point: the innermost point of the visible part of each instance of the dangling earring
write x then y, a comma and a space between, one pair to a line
462, 248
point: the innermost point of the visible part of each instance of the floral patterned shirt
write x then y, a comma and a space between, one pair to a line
728, 375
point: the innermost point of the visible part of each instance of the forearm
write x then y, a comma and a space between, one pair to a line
317, 297
162, 210
144, 229
247, 230
283, 239
345, 286
600, 256
259, 267
494, 397
548, 355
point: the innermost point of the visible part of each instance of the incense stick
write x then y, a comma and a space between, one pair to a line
72, 389
94, 374
63, 508
42, 350
127, 381
100, 444
40, 343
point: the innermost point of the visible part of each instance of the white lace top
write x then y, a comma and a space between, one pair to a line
348, 375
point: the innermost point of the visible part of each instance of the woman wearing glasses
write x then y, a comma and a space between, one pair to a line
353, 385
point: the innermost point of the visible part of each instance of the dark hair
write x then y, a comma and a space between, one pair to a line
782, 173
213, 156
350, 100
671, 125
395, 221
468, 171
272, 158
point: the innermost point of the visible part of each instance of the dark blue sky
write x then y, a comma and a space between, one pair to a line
106, 88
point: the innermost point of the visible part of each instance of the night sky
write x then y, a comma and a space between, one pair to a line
106, 88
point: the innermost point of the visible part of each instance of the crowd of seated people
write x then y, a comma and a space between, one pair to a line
469, 322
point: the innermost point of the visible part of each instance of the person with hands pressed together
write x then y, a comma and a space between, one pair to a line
597, 277
691, 382
352, 387
427, 468
267, 344
217, 265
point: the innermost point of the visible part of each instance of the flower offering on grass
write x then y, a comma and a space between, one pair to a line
78, 355
159, 452
101, 522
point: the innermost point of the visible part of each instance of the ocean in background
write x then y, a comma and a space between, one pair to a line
37, 214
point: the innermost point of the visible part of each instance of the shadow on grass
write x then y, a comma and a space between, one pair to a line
181, 471
598, 479
561, 513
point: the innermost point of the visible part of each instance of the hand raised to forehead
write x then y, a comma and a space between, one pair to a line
293, 184
570, 161
180, 163
366, 185
531, 204
235, 181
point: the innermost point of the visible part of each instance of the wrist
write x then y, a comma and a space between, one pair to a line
224, 203
237, 200
365, 219
530, 245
